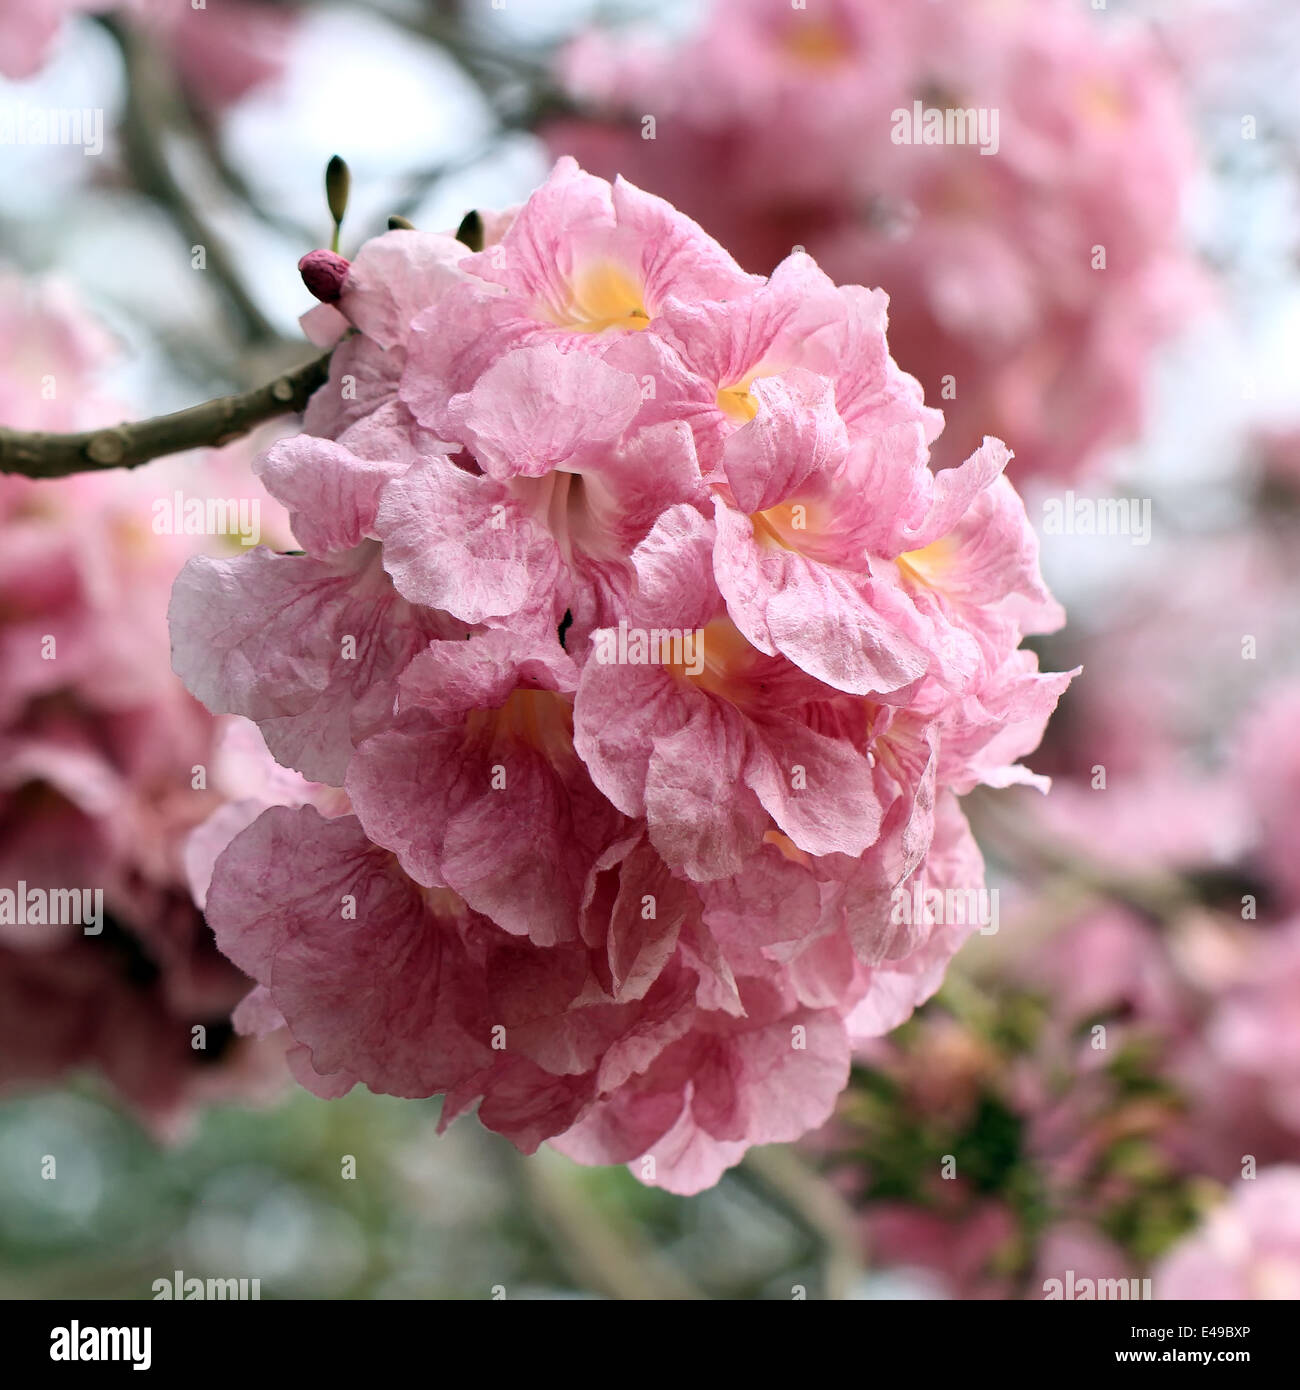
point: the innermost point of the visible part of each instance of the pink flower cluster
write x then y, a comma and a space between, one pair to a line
221, 52
106, 762
1010, 173
652, 656
1217, 990
1196, 1071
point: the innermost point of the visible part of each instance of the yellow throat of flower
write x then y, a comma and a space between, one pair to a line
816, 42
605, 296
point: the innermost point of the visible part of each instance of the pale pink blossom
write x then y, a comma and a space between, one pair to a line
1268, 769
1246, 1248
783, 128
639, 905
106, 762
29, 28
221, 51
1252, 1037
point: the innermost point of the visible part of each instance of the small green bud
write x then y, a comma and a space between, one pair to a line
338, 185
470, 231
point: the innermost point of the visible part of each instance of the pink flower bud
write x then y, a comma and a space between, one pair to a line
323, 272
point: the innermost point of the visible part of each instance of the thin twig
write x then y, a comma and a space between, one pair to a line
483, 60
35, 454
421, 182
239, 188
1163, 896
150, 106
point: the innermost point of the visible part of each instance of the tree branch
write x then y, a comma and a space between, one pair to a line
484, 61
35, 454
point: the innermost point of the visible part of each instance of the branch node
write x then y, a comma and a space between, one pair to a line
106, 449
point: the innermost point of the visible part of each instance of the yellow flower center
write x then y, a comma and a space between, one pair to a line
442, 902
928, 564
787, 847
1104, 103
737, 403
606, 296
788, 525
543, 719
817, 43
724, 655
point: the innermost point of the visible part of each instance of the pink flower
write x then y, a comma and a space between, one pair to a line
1269, 773
1248, 1248
781, 129
1253, 1033
474, 719
659, 745
389, 281
1074, 1251
106, 762
798, 318
221, 52
584, 266
28, 32
730, 1083
311, 652
635, 763
960, 1250
51, 356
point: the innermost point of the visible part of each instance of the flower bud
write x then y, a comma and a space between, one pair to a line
338, 185
470, 231
323, 272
